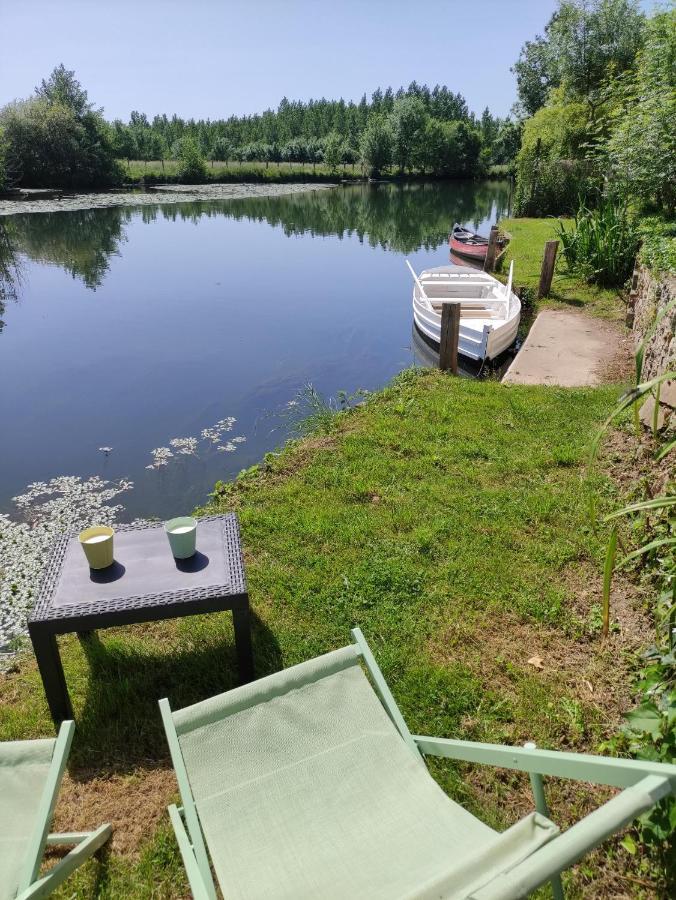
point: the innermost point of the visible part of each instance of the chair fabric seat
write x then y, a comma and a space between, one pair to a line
24, 768
304, 788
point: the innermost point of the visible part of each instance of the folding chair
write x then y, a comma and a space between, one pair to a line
30, 776
308, 784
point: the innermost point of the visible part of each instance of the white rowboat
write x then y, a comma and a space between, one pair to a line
489, 310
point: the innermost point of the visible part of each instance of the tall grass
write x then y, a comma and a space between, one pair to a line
602, 244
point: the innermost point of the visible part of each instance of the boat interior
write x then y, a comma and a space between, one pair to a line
480, 297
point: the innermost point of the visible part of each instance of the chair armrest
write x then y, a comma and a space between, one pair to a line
85, 848
621, 773
568, 847
197, 886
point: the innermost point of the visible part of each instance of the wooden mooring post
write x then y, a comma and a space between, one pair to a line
489, 263
547, 270
449, 337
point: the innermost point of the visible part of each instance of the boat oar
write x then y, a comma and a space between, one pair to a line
415, 278
508, 289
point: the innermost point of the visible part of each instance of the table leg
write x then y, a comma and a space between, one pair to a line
241, 619
51, 671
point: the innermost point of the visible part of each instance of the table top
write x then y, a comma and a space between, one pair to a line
144, 573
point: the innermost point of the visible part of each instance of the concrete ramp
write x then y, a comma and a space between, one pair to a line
565, 348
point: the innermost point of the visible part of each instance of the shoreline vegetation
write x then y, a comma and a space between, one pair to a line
58, 139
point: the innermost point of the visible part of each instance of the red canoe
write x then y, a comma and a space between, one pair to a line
468, 243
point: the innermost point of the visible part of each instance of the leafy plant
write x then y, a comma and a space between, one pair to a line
601, 245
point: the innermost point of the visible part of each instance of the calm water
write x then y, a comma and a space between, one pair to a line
133, 326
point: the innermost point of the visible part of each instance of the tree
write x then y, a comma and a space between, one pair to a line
583, 41
642, 146
589, 39
47, 146
191, 166
57, 139
63, 88
333, 151
407, 123
534, 76
220, 151
376, 145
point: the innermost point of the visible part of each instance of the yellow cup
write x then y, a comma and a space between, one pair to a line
97, 543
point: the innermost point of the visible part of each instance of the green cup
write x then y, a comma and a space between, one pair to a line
97, 543
182, 534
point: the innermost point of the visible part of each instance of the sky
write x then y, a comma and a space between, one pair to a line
215, 58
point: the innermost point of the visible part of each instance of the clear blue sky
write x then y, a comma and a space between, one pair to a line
213, 58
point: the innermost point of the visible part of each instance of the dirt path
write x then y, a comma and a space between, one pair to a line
570, 349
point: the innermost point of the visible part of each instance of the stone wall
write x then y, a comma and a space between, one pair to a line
650, 295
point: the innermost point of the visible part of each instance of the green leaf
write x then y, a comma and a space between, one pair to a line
646, 718
629, 844
655, 503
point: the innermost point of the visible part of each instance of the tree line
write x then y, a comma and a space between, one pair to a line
58, 138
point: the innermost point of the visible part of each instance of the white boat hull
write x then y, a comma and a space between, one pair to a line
489, 315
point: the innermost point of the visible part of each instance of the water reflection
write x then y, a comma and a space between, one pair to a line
400, 217
9, 271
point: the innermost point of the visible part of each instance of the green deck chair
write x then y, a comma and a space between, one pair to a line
30, 776
308, 784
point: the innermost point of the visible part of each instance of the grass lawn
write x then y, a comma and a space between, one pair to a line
446, 518
237, 171
526, 248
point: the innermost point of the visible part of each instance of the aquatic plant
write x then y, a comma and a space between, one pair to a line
47, 510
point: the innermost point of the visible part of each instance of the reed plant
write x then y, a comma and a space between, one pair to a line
602, 244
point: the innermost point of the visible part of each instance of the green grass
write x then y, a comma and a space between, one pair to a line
235, 171
446, 518
528, 237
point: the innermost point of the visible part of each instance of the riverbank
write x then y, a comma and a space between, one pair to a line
169, 193
444, 517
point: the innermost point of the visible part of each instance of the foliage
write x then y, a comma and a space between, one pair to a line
333, 151
583, 41
191, 167
642, 146
376, 145
57, 139
601, 245
304, 133
601, 109
650, 729
4, 172
658, 244
407, 123
551, 175
527, 240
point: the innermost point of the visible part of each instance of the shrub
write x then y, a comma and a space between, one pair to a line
191, 166
601, 245
658, 244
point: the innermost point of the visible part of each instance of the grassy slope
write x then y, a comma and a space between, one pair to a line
526, 248
446, 518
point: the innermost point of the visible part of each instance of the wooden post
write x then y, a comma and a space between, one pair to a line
449, 337
547, 271
489, 263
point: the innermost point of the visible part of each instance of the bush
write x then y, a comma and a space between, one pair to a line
191, 166
48, 145
658, 244
602, 244
552, 187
